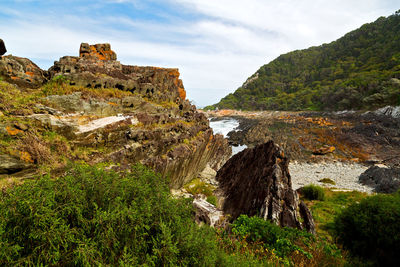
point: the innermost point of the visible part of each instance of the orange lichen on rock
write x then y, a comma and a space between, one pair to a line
13, 131
97, 51
25, 156
174, 75
226, 112
30, 73
182, 93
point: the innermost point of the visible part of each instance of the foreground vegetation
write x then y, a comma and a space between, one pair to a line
366, 227
358, 71
91, 216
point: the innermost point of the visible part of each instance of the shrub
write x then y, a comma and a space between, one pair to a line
313, 192
371, 229
283, 240
97, 217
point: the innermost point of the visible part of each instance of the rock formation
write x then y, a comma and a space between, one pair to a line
97, 67
257, 182
109, 112
97, 51
22, 72
383, 179
3, 49
207, 213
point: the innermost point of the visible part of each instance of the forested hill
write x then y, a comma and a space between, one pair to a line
361, 70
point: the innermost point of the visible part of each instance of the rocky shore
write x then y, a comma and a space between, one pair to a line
339, 146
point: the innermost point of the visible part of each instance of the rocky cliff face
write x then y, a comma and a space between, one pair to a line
95, 109
97, 67
257, 182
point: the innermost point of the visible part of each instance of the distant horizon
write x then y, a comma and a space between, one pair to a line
216, 45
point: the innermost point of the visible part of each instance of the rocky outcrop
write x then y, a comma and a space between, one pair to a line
103, 111
96, 67
22, 72
389, 111
97, 51
383, 179
3, 49
257, 182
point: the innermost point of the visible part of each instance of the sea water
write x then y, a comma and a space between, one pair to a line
224, 127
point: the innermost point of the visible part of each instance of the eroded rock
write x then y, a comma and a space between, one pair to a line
383, 179
97, 51
257, 182
22, 72
97, 67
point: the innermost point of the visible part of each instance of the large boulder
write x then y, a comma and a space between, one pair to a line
383, 179
3, 49
257, 182
22, 72
97, 51
97, 67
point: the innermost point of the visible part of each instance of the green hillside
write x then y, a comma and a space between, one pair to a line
361, 70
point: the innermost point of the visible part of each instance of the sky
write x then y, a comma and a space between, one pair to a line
216, 44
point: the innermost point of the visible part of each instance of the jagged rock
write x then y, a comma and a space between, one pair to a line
10, 165
207, 213
257, 182
97, 51
155, 125
384, 180
389, 111
96, 67
22, 72
3, 49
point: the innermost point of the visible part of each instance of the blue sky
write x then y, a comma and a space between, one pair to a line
216, 44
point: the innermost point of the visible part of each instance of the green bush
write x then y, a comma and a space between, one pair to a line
282, 240
97, 217
371, 229
313, 192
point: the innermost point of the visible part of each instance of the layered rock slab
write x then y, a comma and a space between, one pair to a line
257, 182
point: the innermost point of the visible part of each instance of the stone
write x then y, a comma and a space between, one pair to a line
207, 213
208, 175
256, 181
22, 72
11, 165
97, 67
383, 179
3, 49
97, 51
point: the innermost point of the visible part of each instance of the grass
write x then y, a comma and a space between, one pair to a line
196, 186
325, 211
